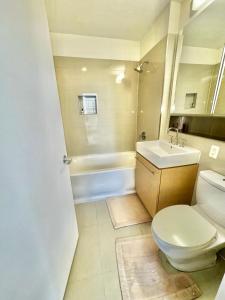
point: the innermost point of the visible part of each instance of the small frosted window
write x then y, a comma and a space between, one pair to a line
88, 104
190, 100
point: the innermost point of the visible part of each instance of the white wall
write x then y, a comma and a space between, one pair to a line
37, 218
156, 33
200, 56
166, 23
72, 45
174, 18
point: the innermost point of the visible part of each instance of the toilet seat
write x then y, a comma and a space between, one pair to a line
182, 226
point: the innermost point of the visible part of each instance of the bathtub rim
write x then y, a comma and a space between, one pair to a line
103, 154
98, 171
102, 170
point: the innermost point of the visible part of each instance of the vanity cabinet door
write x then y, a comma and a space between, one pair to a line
147, 184
177, 185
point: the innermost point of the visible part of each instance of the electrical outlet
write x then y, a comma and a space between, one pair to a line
214, 151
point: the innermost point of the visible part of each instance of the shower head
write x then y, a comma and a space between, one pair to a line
139, 67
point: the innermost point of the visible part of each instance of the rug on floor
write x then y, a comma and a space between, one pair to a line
127, 210
142, 276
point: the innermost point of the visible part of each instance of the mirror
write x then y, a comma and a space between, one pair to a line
200, 82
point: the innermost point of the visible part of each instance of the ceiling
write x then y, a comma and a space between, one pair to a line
208, 29
122, 19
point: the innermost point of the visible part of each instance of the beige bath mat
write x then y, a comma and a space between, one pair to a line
142, 276
127, 210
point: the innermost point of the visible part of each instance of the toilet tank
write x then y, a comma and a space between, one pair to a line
210, 195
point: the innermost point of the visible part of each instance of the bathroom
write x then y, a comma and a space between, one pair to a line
114, 117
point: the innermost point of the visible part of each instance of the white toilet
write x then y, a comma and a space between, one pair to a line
190, 236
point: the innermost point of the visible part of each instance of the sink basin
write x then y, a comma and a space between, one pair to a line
165, 155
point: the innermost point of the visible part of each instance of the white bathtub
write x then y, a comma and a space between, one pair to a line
102, 175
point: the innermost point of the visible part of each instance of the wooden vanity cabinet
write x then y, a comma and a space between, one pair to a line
159, 188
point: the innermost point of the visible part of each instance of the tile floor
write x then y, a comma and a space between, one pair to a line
94, 273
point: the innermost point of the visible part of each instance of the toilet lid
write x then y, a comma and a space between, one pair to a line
181, 225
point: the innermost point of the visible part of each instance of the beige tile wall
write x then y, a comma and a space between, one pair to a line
204, 145
114, 127
193, 78
151, 90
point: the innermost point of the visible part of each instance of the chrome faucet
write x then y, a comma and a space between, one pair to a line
177, 134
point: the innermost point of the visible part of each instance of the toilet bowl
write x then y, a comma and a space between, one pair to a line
191, 236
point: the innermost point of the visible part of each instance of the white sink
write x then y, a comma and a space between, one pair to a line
165, 155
